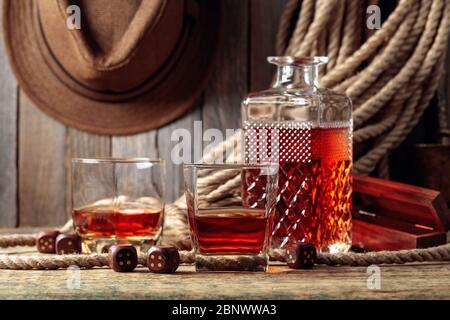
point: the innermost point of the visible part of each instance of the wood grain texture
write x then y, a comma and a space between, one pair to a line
264, 20
447, 83
81, 144
229, 81
140, 145
414, 281
174, 171
42, 178
130, 180
8, 140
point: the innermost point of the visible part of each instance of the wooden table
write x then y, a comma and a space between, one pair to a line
412, 281
419, 281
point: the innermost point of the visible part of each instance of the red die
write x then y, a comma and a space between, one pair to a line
46, 241
163, 259
68, 244
301, 256
123, 258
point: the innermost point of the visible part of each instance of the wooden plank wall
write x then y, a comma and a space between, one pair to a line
35, 150
8, 141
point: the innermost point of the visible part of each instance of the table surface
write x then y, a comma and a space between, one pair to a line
410, 281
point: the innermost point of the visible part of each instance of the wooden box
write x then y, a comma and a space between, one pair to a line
389, 215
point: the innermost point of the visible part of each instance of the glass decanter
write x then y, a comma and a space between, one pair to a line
307, 130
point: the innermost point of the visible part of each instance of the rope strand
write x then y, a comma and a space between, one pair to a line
40, 262
385, 75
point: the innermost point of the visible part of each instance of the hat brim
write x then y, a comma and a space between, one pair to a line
153, 109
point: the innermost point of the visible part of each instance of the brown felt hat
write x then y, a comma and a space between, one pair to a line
132, 66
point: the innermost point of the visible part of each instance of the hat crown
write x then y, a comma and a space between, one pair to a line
119, 43
111, 29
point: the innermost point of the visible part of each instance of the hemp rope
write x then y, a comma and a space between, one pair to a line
47, 262
382, 74
390, 74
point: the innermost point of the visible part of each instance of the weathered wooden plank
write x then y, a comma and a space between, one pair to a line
140, 145
228, 84
41, 167
81, 144
264, 20
413, 281
8, 140
416, 281
174, 171
447, 84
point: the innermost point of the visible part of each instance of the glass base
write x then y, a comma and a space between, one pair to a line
337, 247
224, 263
102, 245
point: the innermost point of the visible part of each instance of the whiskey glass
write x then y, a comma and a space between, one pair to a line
231, 217
118, 201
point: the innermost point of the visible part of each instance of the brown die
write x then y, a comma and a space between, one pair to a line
46, 241
123, 257
301, 256
163, 259
68, 244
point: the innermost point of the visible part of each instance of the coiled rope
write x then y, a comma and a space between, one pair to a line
391, 75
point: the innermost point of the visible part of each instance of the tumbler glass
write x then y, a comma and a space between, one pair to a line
118, 201
231, 215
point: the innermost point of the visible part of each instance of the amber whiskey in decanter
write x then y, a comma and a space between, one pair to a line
307, 130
